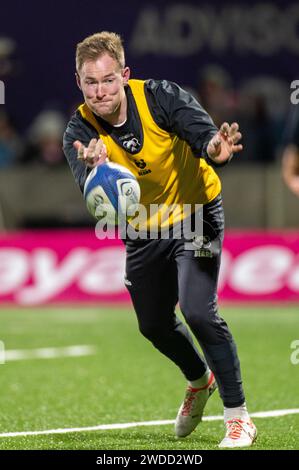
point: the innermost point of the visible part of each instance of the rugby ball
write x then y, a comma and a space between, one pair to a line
110, 191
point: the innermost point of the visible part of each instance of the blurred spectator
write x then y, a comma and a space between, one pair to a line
290, 168
290, 153
45, 139
257, 130
262, 110
216, 94
7, 61
11, 145
259, 106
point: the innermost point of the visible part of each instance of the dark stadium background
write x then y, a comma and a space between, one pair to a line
246, 38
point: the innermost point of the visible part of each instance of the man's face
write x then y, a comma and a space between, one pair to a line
102, 83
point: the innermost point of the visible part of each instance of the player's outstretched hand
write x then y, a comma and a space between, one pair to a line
93, 155
225, 143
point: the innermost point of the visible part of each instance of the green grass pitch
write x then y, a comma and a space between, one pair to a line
127, 380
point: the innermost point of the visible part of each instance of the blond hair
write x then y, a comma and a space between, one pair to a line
98, 44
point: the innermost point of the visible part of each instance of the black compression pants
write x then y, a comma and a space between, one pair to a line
160, 273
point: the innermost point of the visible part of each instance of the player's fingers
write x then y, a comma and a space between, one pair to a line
92, 144
216, 140
224, 128
237, 148
99, 147
236, 137
233, 129
90, 153
104, 153
77, 144
80, 149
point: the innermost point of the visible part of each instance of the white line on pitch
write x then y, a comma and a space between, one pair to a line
48, 353
102, 427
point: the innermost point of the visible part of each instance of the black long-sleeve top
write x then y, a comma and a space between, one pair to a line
172, 108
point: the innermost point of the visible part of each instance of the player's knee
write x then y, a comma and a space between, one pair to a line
198, 323
151, 331
200, 319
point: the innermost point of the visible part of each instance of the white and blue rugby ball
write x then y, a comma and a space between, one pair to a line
111, 190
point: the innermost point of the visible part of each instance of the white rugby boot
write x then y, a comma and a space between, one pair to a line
191, 410
239, 433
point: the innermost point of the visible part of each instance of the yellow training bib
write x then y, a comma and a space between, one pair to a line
166, 169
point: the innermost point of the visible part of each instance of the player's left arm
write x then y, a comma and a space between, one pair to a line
176, 110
